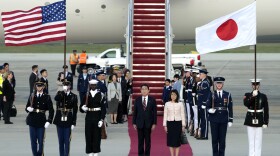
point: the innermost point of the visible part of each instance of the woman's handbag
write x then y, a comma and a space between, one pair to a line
184, 139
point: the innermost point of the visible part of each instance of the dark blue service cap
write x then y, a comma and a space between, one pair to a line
99, 72
1, 67
66, 83
219, 79
204, 71
40, 83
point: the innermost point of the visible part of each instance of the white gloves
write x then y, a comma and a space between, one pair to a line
47, 125
72, 127
193, 94
264, 126
84, 108
100, 123
203, 107
255, 92
30, 109
212, 110
229, 124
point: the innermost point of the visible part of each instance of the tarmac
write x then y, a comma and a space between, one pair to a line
236, 68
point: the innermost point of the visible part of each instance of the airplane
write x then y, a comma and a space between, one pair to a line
105, 21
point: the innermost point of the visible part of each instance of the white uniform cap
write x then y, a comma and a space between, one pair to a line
257, 80
93, 81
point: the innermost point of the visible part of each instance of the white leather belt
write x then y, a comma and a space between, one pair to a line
188, 90
253, 111
94, 109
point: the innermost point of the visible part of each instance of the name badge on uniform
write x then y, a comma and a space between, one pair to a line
255, 121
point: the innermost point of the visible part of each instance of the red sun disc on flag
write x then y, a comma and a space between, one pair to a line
228, 30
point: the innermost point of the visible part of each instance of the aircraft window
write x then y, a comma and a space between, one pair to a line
110, 54
77, 10
103, 6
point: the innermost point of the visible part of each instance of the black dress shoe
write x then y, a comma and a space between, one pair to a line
8, 122
202, 138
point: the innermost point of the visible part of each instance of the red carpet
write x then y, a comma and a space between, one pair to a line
158, 147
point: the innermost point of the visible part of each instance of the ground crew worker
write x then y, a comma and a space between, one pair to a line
37, 105
82, 59
73, 61
65, 117
220, 116
203, 97
257, 117
93, 106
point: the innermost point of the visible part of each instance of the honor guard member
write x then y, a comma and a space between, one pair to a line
257, 117
196, 79
220, 116
95, 110
37, 105
166, 91
189, 99
65, 117
204, 94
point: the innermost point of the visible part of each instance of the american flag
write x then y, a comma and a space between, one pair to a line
38, 25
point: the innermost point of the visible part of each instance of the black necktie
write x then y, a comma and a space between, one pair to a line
220, 95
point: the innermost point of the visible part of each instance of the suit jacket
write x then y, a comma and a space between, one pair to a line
32, 79
145, 118
204, 93
46, 89
39, 119
113, 91
69, 78
166, 93
123, 85
260, 103
174, 112
8, 90
68, 102
82, 85
223, 106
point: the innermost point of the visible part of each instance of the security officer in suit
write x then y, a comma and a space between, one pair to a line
44, 74
257, 117
33, 78
144, 119
101, 85
37, 105
69, 75
220, 116
204, 95
166, 91
93, 106
65, 117
82, 85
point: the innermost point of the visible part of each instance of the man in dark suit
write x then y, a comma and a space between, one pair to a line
122, 106
33, 78
144, 119
69, 75
166, 91
44, 74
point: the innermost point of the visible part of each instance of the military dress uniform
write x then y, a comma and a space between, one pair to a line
204, 94
93, 106
220, 117
257, 117
65, 118
37, 105
189, 102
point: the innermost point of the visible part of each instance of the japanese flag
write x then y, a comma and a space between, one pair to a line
231, 31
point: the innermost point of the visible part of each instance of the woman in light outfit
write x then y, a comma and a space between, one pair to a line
114, 98
174, 122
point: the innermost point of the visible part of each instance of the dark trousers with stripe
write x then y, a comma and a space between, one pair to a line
37, 136
64, 139
203, 122
218, 132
